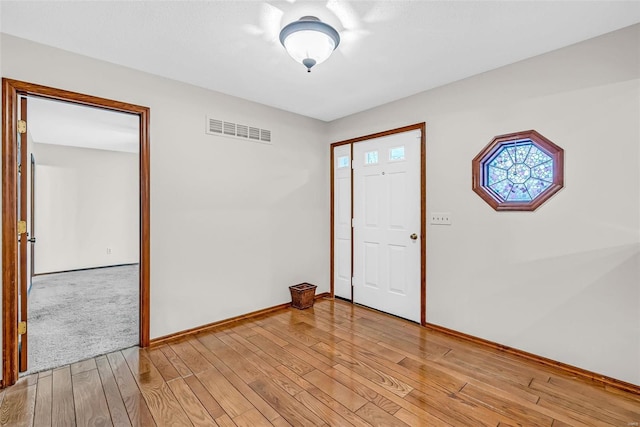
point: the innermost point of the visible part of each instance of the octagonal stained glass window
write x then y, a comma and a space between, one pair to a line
518, 171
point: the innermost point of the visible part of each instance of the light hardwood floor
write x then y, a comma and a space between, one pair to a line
334, 364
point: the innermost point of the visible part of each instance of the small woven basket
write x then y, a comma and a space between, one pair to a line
302, 295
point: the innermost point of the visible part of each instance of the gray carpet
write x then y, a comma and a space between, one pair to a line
81, 314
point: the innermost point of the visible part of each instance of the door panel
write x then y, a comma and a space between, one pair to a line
371, 265
372, 187
343, 194
343, 269
386, 208
398, 201
342, 221
397, 269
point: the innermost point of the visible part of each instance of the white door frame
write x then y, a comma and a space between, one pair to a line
422, 128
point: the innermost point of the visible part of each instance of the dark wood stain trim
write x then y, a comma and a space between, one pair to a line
11, 89
145, 226
204, 328
417, 126
564, 367
9, 235
423, 224
332, 222
423, 210
25, 88
556, 152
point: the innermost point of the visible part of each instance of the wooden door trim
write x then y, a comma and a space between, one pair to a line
11, 90
423, 185
332, 178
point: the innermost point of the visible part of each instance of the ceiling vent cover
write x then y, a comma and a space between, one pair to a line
234, 130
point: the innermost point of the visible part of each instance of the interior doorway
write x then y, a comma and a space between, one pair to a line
14, 216
378, 249
82, 293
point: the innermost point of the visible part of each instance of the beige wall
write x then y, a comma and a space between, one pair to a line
564, 281
86, 201
233, 223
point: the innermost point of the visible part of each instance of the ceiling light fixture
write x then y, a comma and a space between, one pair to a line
309, 40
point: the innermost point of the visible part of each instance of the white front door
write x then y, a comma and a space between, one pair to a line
386, 226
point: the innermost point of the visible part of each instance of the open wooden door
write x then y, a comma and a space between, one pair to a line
32, 222
23, 235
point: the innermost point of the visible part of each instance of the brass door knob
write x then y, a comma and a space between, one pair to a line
414, 236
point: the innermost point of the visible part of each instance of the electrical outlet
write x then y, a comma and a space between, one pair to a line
108, 251
441, 218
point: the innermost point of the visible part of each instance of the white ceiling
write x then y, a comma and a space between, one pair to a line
389, 49
62, 123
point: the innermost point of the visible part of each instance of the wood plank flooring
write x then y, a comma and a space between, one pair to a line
332, 365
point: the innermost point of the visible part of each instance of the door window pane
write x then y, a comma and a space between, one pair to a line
371, 157
396, 153
343, 162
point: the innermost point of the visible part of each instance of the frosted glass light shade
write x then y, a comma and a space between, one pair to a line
309, 41
309, 44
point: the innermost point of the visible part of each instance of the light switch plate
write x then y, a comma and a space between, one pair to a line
441, 218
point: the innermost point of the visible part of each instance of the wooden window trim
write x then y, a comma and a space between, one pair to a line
477, 167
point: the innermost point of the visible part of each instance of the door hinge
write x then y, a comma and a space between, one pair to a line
22, 328
22, 227
22, 126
